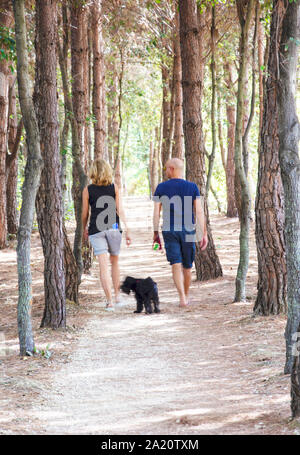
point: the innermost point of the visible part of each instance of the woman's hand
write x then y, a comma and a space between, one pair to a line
128, 238
85, 234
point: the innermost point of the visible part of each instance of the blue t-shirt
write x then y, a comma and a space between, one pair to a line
177, 197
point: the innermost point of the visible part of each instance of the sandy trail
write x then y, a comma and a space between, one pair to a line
208, 369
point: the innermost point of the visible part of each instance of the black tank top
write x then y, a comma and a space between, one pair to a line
103, 199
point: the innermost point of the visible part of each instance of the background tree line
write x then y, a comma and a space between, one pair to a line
136, 82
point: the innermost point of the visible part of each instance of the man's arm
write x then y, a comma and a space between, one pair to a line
201, 231
156, 216
121, 213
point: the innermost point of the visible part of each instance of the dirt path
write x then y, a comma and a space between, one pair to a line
208, 369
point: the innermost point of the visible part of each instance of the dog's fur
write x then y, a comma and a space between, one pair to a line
145, 291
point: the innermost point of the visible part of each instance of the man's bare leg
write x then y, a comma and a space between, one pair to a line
187, 278
178, 281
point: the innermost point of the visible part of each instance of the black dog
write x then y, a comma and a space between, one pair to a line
145, 291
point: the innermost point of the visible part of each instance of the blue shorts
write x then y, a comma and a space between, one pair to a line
178, 249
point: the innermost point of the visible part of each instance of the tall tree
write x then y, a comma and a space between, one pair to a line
78, 56
117, 127
14, 137
212, 155
231, 118
178, 142
66, 123
72, 274
269, 204
6, 19
31, 182
289, 135
166, 110
98, 81
244, 10
207, 262
49, 198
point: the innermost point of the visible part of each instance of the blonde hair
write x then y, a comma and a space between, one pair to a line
100, 172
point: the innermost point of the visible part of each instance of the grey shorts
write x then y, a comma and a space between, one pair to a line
106, 242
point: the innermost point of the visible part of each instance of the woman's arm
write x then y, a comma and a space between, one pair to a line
85, 211
121, 213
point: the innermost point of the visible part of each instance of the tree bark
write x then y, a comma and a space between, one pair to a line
207, 262
71, 270
289, 135
87, 251
155, 161
230, 166
244, 9
117, 128
33, 168
78, 55
211, 157
260, 58
71, 276
178, 142
269, 205
166, 133
49, 198
98, 81
14, 137
66, 125
6, 18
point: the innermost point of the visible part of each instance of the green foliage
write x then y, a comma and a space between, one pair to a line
141, 113
43, 352
7, 46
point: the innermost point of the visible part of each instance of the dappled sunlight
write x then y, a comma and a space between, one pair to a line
183, 371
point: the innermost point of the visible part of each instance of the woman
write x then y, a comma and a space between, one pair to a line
104, 231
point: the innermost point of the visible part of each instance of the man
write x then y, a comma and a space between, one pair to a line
180, 200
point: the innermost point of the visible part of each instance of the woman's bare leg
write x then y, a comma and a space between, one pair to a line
115, 274
105, 277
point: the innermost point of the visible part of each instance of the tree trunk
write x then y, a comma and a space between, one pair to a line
14, 137
118, 125
72, 272
230, 166
211, 157
66, 125
244, 10
78, 55
260, 58
49, 199
165, 152
98, 80
87, 251
155, 161
178, 143
289, 135
71, 276
207, 262
150, 167
6, 18
30, 185
269, 205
